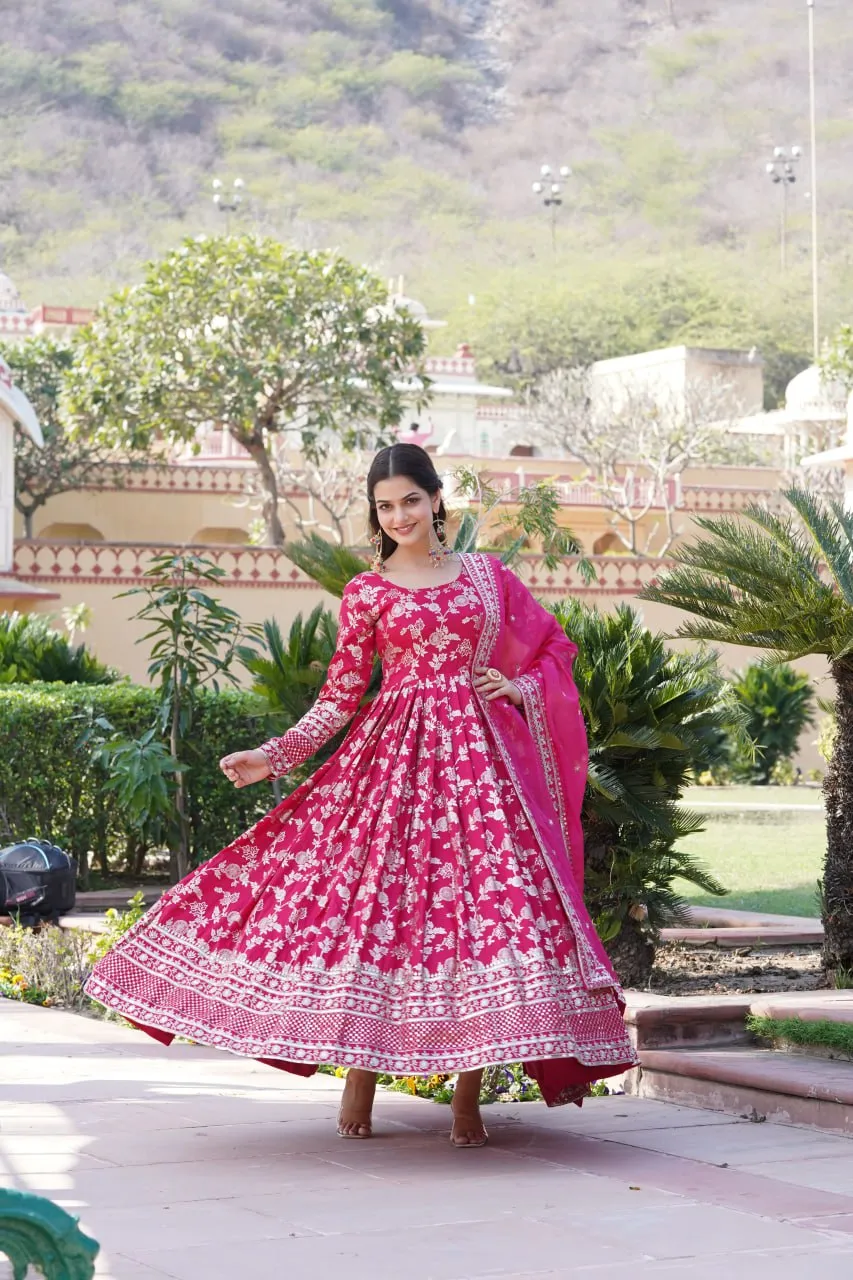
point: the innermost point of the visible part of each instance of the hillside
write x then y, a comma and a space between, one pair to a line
408, 133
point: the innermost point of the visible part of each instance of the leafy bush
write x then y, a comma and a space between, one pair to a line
31, 650
655, 718
60, 793
777, 703
44, 966
50, 966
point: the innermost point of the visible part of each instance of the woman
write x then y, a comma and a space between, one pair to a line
415, 906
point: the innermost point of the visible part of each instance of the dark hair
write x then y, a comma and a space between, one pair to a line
408, 460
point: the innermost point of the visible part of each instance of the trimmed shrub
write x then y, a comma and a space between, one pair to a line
31, 650
50, 788
777, 702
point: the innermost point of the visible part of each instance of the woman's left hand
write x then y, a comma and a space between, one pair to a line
492, 684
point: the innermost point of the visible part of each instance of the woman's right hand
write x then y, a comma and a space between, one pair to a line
245, 767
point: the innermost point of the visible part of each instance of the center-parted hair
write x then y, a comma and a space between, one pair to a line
413, 462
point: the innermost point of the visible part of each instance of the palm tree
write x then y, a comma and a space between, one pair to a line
785, 584
654, 718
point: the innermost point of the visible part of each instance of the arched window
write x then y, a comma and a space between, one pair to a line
220, 536
608, 544
61, 531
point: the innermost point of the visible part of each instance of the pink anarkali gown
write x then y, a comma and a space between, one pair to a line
415, 907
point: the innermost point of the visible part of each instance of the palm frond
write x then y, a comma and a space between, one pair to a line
330, 565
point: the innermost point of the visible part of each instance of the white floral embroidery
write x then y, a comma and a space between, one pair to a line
397, 912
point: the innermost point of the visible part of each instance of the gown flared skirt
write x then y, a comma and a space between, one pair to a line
395, 913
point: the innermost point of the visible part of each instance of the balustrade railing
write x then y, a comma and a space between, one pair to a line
228, 478
122, 564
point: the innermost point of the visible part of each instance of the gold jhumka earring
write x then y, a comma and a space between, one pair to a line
378, 565
438, 549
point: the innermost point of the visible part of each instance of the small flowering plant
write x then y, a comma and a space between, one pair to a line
14, 986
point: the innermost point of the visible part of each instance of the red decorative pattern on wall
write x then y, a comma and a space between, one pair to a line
122, 564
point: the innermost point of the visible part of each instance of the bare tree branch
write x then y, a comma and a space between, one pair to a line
637, 443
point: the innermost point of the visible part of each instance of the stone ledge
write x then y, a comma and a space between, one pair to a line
834, 1007
808, 934
760, 1069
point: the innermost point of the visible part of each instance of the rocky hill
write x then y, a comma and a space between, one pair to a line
408, 132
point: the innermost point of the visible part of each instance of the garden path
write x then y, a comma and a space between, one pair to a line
192, 1165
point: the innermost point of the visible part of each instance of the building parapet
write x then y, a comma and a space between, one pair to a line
573, 491
123, 564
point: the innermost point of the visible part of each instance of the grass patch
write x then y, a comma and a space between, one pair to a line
837, 1036
702, 797
768, 861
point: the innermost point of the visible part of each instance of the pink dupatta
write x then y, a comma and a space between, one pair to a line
545, 750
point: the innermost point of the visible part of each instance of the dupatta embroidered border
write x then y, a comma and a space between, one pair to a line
482, 575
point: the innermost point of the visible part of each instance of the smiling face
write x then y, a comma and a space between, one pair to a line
405, 511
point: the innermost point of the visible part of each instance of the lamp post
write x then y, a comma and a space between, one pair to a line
228, 203
813, 131
782, 171
549, 186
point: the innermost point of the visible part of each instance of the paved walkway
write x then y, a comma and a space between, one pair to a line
199, 1166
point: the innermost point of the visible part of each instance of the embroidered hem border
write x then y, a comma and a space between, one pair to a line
346, 1019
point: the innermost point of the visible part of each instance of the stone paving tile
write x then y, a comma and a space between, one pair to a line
471, 1249
187, 1164
684, 1231
829, 1174
781, 1265
738, 1144
606, 1115
167, 1227
380, 1204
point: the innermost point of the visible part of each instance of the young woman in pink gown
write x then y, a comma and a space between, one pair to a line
416, 906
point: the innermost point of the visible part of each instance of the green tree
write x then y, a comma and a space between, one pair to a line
66, 461
654, 718
837, 362
777, 704
785, 584
194, 642
263, 340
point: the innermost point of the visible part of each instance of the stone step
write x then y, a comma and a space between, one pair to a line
828, 1006
808, 933
660, 1022
730, 918
759, 1084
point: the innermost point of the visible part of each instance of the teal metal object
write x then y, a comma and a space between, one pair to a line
35, 1232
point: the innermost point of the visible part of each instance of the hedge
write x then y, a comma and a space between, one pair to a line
49, 788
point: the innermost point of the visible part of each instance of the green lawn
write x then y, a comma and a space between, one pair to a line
710, 797
767, 861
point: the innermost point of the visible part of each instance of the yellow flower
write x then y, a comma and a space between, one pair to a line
19, 980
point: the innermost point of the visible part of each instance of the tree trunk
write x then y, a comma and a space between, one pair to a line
269, 484
632, 954
28, 523
838, 869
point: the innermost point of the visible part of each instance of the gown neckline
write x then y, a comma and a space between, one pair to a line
416, 590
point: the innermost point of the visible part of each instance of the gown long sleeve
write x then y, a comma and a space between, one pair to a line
348, 677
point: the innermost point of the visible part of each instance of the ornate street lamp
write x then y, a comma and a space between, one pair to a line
549, 186
782, 171
228, 202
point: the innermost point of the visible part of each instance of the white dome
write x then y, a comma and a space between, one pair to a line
809, 397
10, 299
